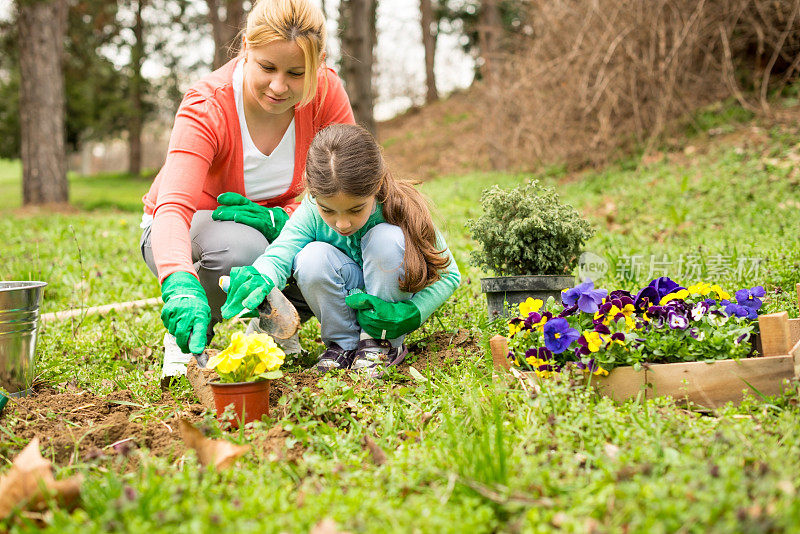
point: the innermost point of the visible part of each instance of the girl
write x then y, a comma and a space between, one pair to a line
363, 250
238, 147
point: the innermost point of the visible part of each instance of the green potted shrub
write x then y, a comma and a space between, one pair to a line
530, 240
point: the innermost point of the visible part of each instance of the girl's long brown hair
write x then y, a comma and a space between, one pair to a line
345, 158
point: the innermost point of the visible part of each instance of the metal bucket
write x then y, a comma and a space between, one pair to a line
19, 318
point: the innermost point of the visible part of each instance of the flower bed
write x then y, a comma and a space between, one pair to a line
661, 341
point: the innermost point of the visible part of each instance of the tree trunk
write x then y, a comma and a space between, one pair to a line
358, 34
42, 30
136, 120
490, 30
429, 43
225, 28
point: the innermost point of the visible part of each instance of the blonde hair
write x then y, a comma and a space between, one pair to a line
296, 21
345, 158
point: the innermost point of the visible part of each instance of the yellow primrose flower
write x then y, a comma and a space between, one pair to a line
529, 306
701, 288
721, 293
230, 359
682, 294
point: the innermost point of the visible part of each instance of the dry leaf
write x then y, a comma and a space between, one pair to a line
375, 451
219, 453
30, 483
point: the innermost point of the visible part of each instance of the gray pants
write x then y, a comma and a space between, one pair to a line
217, 247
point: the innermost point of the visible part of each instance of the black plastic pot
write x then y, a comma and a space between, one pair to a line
504, 291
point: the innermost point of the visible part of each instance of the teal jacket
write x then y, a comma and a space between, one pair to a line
306, 225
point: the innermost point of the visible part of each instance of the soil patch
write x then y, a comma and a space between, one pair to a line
77, 427
274, 442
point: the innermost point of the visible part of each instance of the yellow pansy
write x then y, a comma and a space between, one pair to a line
514, 329
681, 294
721, 293
701, 288
593, 340
529, 306
630, 323
601, 372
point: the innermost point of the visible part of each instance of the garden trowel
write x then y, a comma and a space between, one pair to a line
276, 315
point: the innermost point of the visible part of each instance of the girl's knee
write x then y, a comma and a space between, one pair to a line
384, 242
320, 263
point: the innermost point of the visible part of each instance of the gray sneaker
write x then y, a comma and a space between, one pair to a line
376, 355
335, 357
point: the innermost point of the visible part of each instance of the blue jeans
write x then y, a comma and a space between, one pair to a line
325, 275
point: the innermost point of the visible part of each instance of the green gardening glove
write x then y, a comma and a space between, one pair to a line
186, 313
384, 320
235, 207
248, 288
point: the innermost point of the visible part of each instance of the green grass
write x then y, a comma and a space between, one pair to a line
494, 457
118, 191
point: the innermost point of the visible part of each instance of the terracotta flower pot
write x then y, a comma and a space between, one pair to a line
250, 400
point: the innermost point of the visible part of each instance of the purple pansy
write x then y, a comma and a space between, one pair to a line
699, 310
677, 321
737, 310
534, 318
543, 353
697, 334
750, 297
569, 310
655, 291
558, 335
590, 365
584, 296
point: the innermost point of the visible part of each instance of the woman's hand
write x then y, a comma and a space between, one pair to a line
248, 288
384, 320
186, 314
234, 207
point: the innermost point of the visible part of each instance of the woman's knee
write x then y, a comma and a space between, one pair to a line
222, 245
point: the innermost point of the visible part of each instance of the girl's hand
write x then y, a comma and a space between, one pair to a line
186, 314
234, 207
248, 288
384, 320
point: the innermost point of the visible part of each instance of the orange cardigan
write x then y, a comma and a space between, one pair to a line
204, 159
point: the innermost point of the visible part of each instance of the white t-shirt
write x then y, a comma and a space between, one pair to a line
264, 176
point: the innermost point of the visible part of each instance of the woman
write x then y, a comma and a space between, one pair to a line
234, 166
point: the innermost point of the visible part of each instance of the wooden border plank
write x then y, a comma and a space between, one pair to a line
774, 331
621, 383
499, 347
716, 383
